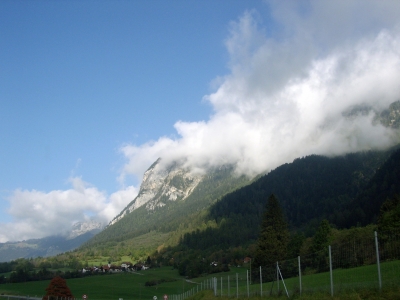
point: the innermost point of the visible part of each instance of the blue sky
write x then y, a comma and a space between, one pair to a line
92, 92
80, 78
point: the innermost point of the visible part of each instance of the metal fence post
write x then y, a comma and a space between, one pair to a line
277, 276
247, 278
237, 285
228, 287
330, 269
377, 260
221, 286
298, 259
261, 281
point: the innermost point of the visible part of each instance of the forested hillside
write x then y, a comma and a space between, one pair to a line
384, 185
309, 189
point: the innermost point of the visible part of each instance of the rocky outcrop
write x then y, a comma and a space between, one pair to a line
81, 228
161, 184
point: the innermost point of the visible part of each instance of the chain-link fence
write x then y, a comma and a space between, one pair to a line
361, 262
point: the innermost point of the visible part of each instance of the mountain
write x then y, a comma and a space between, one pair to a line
390, 117
81, 228
160, 185
308, 189
168, 199
220, 209
384, 185
51, 245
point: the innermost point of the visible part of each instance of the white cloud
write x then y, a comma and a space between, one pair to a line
287, 92
117, 202
38, 214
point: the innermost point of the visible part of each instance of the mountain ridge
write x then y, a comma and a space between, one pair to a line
50, 245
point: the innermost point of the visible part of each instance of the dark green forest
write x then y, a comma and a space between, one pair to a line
311, 190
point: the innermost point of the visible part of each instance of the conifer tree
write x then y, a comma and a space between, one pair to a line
57, 289
322, 237
319, 246
389, 216
274, 235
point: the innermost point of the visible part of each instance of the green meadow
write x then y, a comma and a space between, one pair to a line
133, 285
115, 286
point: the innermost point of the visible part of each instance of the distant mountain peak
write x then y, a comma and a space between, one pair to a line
389, 117
80, 228
50, 245
161, 184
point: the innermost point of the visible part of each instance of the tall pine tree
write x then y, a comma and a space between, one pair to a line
274, 235
319, 246
322, 237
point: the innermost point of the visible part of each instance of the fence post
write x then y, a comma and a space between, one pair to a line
298, 259
283, 281
247, 278
330, 269
229, 287
221, 286
261, 281
277, 277
237, 285
377, 260
215, 286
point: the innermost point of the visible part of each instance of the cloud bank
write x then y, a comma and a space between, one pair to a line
38, 214
288, 91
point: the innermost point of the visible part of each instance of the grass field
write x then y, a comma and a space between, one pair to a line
343, 279
115, 286
132, 285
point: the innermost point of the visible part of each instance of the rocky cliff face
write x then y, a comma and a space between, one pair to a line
81, 228
390, 117
160, 185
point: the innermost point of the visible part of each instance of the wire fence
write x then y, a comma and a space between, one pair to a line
359, 262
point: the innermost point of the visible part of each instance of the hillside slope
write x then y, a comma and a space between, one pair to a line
309, 189
364, 209
167, 216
